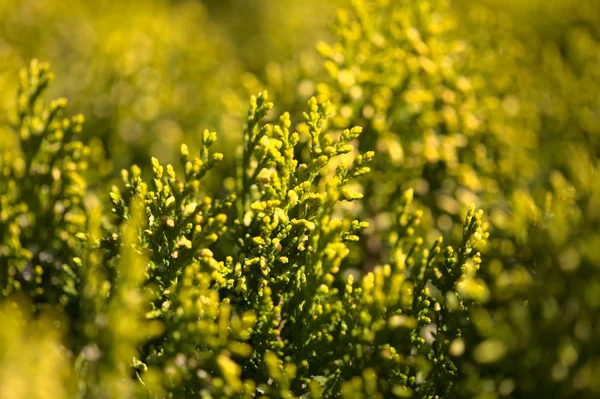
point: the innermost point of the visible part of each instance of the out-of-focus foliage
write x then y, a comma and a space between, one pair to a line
503, 112
314, 267
406, 73
149, 75
145, 73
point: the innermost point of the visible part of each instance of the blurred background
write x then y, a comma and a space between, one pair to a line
150, 74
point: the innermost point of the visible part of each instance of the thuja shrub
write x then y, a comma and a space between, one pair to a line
317, 270
178, 293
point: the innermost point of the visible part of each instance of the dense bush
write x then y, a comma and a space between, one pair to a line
343, 255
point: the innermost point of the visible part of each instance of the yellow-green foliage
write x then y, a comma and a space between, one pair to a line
139, 70
338, 252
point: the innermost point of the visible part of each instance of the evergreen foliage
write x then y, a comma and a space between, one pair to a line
340, 251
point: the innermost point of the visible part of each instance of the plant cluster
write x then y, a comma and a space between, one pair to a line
343, 256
